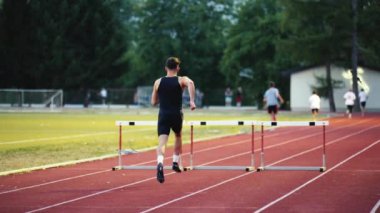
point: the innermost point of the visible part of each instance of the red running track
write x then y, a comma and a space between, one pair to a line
350, 184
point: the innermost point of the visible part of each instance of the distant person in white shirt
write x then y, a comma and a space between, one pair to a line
103, 95
271, 98
363, 100
350, 101
315, 104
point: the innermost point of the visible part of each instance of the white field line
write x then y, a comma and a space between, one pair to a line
146, 149
66, 163
99, 158
315, 178
55, 181
55, 165
267, 147
69, 137
85, 160
74, 136
147, 162
237, 177
181, 198
376, 207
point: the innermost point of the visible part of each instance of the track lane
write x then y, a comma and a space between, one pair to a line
217, 174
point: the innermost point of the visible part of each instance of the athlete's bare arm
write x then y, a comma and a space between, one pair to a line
187, 82
154, 99
281, 99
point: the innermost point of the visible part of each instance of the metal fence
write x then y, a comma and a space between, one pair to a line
139, 96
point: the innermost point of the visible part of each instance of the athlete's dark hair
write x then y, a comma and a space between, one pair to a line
172, 63
272, 84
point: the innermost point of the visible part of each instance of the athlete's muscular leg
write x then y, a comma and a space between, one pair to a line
162, 140
178, 144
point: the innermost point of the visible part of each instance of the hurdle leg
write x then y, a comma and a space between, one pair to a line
191, 148
323, 168
262, 150
252, 167
120, 148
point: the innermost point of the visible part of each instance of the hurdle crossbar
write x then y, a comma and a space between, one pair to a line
293, 168
251, 167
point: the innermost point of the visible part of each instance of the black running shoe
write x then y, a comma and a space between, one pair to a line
160, 173
175, 167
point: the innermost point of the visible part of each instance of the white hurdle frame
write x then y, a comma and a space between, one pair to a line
120, 124
293, 168
221, 123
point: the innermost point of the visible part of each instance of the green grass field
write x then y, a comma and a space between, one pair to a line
30, 139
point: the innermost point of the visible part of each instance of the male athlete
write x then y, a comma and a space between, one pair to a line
168, 92
271, 98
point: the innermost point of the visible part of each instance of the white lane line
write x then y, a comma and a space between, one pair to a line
197, 192
94, 194
55, 181
226, 181
194, 193
89, 174
316, 178
69, 137
145, 149
376, 207
48, 166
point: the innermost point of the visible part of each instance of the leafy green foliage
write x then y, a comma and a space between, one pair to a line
322, 86
252, 44
192, 30
62, 44
74, 44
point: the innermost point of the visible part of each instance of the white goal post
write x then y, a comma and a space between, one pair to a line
40, 98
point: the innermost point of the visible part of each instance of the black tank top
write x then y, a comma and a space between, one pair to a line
170, 95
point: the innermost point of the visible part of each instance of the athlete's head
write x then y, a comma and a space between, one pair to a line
172, 63
272, 84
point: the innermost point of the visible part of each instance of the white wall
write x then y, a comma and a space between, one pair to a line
302, 82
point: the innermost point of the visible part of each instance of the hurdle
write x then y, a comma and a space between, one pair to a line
120, 165
251, 167
322, 168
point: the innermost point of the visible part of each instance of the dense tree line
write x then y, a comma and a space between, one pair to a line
61, 43
124, 43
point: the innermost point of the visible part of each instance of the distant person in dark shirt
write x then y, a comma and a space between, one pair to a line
239, 96
363, 100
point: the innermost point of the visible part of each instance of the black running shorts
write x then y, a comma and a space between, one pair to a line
168, 121
315, 110
272, 108
350, 107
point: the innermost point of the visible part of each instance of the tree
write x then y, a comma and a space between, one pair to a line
252, 45
333, 32
62, 43
319, 35
368, 28
16, 50
193, 30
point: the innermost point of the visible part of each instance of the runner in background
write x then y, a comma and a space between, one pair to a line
271, 99
315, 104
349, 101
363, 100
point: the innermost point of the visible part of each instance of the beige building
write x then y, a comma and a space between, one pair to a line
301, 83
